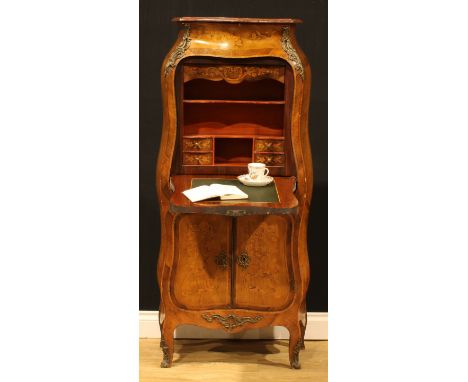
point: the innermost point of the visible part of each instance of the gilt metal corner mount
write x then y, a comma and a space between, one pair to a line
178, 52
291, 52
231, 321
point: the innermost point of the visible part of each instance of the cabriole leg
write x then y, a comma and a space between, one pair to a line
167, 345
295, 345
303, 328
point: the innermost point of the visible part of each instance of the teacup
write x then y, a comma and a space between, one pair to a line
258, 171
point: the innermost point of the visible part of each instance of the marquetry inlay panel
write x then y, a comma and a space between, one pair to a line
233, 74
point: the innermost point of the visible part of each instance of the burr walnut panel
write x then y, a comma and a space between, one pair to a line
264, 281
200, 280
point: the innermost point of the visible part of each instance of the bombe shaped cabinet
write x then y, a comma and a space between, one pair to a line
234, 91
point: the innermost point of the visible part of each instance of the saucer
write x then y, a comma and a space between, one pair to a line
245, 179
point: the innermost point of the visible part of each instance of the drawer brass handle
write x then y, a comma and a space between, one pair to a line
269, 159
221, 260
243, 260
196, 144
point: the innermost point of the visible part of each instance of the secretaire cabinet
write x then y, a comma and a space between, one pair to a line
234, 91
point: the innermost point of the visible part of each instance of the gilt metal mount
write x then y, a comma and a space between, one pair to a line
221, 260
291, 52
165, 349
295, 364
179, 52
236, 213
231, 321
243, 260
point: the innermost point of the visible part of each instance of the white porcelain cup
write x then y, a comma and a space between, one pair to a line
258, 171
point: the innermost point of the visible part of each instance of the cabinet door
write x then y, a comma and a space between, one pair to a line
262, 270
201, 277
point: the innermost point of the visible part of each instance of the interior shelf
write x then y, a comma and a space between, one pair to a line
235, 164
233, 119
229, 131
265, 89
233, 151
222, 101
216, 135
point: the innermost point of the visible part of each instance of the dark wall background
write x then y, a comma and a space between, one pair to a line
157, 35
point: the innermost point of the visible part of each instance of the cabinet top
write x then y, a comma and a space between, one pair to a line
235, 20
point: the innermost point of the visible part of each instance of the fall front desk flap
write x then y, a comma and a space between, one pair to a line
265, 194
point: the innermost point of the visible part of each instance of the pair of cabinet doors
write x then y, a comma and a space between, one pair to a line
225, 262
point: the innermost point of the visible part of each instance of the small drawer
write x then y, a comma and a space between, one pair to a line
269, 145
198, 159
198, 144
270, 159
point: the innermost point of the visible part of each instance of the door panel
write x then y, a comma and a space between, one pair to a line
262, 264
201, 278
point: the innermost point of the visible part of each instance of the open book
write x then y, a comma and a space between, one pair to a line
214, 191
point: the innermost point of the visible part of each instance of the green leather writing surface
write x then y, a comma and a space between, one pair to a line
265, 194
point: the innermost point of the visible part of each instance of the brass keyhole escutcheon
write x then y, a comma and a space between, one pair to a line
221, 260
243, 260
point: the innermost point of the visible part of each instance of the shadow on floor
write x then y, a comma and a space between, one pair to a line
246, 351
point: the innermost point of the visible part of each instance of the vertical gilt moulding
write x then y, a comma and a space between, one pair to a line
179, 52
291, 52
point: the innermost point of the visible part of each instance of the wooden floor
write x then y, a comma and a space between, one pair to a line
233, 361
